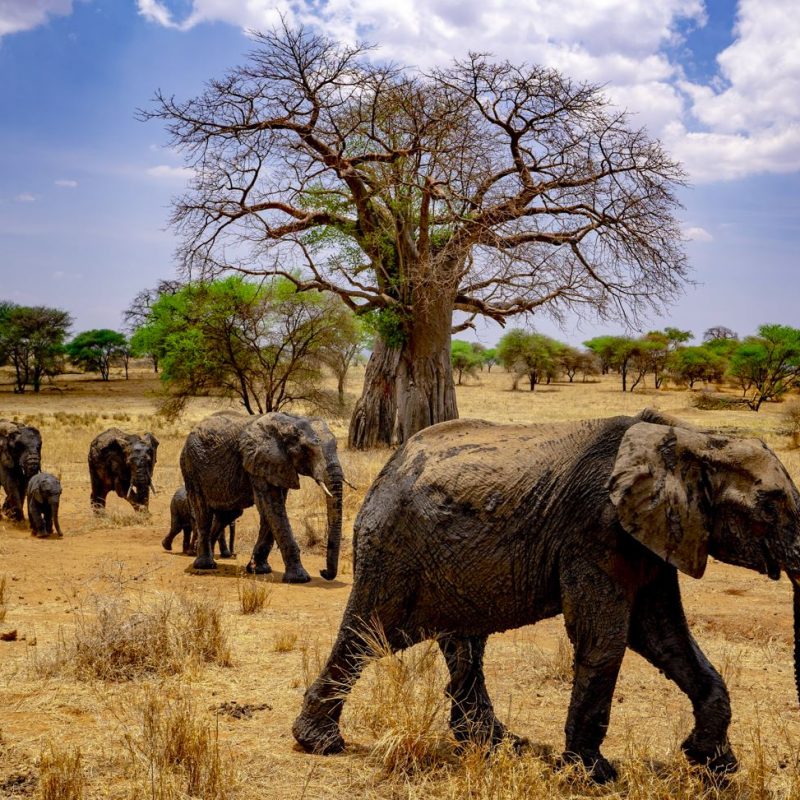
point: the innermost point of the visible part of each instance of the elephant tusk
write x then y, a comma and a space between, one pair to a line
349, 484
325, 488
152, 487
130, 489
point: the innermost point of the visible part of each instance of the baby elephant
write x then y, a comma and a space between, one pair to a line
181, 519
44, 495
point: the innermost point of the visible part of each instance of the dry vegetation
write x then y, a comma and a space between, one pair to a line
130, 677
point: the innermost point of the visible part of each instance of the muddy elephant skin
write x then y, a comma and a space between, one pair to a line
474, 528
233, 461
44, 497
123, 463
181, 520
20, 460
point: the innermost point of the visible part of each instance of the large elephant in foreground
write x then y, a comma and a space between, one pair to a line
473, 528
123, 463
20, 460
232, 461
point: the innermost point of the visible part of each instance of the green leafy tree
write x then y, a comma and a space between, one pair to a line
604, 348
531, 355
768, 362
687, 365
465, 358
264, 343
32, 341
489, 357
138, 313
340, 352
489, 188
96, 350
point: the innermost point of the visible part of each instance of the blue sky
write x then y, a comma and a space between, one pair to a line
85, 188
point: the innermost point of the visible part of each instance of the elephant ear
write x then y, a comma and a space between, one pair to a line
264, 446
7, 430
661, 495
153, 442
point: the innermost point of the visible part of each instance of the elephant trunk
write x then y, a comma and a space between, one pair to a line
140, 487
54, 507
333, 500
31, 464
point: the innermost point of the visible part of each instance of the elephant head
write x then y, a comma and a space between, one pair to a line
20, 448
687, 495
277, 448
140, 456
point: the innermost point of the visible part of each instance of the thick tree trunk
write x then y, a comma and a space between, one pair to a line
406, 388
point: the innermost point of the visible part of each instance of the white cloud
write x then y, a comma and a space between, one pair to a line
25, 197
22, 15
742, 121
167, 172
696, 234
66, 183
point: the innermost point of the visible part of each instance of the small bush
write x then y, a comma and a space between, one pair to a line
117, 643
176, 752
61, 775
285, 642
254, 594
713, 401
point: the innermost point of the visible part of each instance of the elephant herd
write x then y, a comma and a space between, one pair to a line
229, 462
473, 528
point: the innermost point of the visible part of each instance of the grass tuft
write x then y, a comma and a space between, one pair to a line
3, 598
254, 594
61, 775
285, 641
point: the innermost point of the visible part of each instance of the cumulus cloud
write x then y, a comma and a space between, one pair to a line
164, 171
696, 234
66, 183
25, 197
744, 120
22, 15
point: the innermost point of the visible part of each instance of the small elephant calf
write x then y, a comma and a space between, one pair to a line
44, 496
181, 519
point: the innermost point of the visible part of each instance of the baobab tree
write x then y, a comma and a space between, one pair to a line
484, 187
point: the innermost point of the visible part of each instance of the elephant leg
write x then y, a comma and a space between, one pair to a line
14, 502
597, 615
272, 506
174, 529
99, 492
189, 546
232, 531
472, 716
48, 518
218, 536
316, 729
35, 518
258, 561
203, 518
54, 508
659, 632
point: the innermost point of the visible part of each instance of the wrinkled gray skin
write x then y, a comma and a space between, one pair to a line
473, 528
123, 463
233, 461
20, 460
181, 520
44, 496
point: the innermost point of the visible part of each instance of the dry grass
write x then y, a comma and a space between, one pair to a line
791, 418
94, 600
254, 594
116, 642
61, 775
176, 753
3, 597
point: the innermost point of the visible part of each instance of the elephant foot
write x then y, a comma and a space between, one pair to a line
254, 568
225, 554
190, 551
296, 575
598, 767
718, 760
166, 543
320, 738
204, 562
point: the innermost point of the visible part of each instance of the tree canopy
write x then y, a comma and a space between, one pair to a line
486, 187
529, 354
95, 350
264, 343
32, 341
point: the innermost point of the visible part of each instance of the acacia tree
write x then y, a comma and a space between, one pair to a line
137, 314
95, 350
489, 188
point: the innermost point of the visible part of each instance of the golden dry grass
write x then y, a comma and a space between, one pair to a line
161, 732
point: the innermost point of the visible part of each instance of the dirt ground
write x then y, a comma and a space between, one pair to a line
55, 588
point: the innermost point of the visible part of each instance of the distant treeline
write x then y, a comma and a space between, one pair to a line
764, 366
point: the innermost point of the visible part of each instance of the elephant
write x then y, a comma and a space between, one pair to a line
232, 461
124, 463
20, 460
44, 496
181, 520
473, 528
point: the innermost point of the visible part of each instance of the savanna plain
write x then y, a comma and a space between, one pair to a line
123, 674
